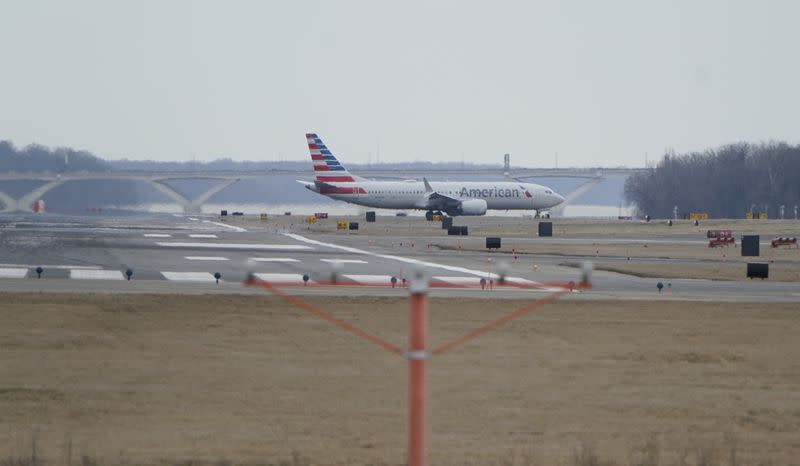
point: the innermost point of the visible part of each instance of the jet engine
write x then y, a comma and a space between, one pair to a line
470, 207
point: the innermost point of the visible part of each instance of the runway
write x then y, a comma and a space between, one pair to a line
180, 254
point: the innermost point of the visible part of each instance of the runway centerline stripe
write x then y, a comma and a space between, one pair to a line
87, 274
189, 276
198, 235
273, 259
157, 235
344, 261
268, 247
205, 258
13, 273
407, 260
234, 228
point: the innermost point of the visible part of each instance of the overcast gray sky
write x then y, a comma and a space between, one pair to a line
599, 82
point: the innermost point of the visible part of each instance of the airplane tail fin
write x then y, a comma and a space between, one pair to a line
326, 168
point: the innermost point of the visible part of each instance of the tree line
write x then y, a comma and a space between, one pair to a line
725, 182
36, 158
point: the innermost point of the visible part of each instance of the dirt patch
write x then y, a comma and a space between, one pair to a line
251, 380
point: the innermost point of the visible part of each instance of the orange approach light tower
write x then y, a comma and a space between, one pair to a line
418, 353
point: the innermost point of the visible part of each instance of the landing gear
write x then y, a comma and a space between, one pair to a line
541, 215
429, 215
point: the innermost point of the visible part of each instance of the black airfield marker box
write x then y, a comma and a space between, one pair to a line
750, 245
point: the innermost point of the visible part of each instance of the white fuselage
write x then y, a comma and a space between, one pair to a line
499, 195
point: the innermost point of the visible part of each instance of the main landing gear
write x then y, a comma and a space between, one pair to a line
429, 214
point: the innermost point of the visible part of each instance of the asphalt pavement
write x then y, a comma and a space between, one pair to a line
182, 254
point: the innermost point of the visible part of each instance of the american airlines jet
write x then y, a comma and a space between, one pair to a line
451, 197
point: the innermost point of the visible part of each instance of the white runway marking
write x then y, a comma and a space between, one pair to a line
189, 276
344, 261
234, 228
194, 219
13, 273
85, 274
33, 266
522, 281
202, 236
371, 279
156, 235
205, 258
285, 278
407, 260
269, 247
459, 281
273, 259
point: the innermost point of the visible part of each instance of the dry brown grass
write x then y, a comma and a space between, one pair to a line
735, 271
633, 250
527, 227
128, 379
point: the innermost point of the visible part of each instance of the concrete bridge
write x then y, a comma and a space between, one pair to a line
158, 180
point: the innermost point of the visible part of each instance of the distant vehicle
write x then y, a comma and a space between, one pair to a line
452, 198
238, 213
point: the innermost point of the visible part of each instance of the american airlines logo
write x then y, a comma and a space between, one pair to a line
493, 192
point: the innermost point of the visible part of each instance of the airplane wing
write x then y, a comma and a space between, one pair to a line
318, 186
437, 201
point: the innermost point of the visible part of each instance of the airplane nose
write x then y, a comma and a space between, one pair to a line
559, 199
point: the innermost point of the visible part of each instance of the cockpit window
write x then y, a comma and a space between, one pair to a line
547, 191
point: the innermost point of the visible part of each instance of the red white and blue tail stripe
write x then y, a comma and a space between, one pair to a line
326, 167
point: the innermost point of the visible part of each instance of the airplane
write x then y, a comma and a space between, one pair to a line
451, 197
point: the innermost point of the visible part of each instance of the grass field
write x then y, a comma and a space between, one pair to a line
519, 226
734, 271
162, 379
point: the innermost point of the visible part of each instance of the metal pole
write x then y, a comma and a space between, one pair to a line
417, 355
